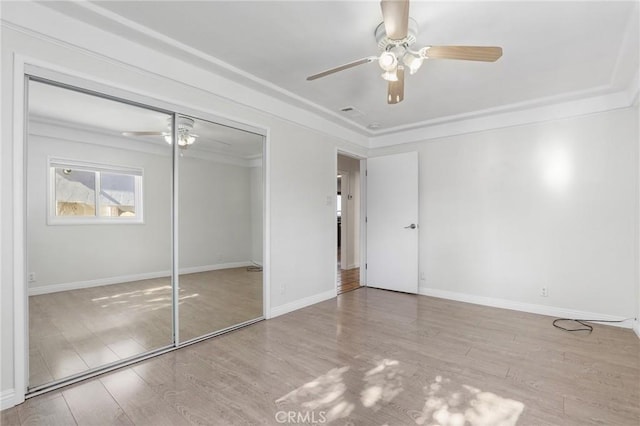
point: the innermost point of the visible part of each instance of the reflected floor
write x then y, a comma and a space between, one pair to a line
73, 331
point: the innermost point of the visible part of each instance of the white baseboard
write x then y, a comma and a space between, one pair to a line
7, 399
54, 288
352, 266
301, 303
636, 327
206, 268
524, 307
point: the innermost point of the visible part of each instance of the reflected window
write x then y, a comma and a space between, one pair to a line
91, 193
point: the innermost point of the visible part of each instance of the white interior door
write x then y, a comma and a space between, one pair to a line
392, 222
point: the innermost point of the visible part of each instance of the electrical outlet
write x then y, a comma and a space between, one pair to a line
31, 277
544, 292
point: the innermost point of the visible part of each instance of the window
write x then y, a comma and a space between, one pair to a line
82, 192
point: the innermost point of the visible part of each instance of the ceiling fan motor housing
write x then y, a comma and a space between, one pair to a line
384, 41
184, 124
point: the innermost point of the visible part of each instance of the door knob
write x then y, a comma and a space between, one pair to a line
412, 226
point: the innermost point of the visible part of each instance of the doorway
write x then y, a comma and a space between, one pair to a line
348, 203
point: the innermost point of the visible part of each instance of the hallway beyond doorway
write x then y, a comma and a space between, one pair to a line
347, 279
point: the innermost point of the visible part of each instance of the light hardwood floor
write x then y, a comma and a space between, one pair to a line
347, 279
73, 331
370, 357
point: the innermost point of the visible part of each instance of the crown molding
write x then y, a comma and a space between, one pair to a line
260, 95
567, 105
619, 92
508, 117
196, 57
51, 26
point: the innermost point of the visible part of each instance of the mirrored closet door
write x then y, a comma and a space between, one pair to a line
220, 227
140, 238
99, 220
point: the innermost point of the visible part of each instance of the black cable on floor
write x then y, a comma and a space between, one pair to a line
587, 327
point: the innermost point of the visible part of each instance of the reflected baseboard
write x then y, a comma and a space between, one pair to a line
206, 268
54, 288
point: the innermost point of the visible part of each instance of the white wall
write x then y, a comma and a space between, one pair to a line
555, 204
300, 156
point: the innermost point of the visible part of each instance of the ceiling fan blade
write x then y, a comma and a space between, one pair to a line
466, 53
143, 133
342, 67
395, 93
395, 14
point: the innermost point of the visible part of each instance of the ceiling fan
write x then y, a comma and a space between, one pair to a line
395, 36
185, 137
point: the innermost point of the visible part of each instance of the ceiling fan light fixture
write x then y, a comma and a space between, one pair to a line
390, 75
184, 139
424, 52
388, 61
412, 62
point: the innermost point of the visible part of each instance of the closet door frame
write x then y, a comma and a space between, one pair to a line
28, 69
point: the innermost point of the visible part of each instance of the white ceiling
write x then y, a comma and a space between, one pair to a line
553, 51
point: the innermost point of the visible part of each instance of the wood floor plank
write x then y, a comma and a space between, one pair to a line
138, 400
49, 409
91, 404
374, 357
591, 411
9, 417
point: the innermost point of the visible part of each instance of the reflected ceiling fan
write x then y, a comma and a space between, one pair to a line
395, 36
185, 136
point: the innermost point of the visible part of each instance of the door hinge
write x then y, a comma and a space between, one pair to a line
365, 266
366, 219
366, 172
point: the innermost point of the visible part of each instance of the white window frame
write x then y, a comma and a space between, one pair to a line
98, 169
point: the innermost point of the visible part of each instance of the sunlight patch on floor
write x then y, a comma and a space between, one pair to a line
162, 301
449, 404
325, 393
383, 383
329, 393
